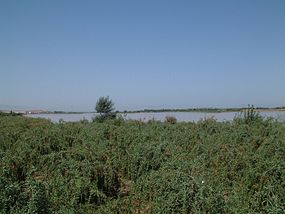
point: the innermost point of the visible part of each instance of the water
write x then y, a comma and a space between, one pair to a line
180, 116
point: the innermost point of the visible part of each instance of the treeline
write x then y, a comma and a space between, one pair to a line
206, 110
11, 113
178, 110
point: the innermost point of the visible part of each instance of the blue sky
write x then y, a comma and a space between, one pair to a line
64, 55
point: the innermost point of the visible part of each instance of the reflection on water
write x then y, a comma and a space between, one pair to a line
181, 116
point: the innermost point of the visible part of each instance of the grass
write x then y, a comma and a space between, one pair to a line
135, 167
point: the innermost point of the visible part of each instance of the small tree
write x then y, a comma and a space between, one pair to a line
105, 107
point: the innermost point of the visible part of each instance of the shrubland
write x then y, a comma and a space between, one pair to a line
118, 166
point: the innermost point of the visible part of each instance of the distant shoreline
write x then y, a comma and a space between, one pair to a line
204, 110
198, 110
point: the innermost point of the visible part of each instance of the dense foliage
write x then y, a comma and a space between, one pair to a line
104, 106
134, 167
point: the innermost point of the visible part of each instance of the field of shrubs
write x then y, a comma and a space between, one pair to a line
118, 166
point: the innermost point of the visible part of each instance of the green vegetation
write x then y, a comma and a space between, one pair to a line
105, 107
11, 113
133, 167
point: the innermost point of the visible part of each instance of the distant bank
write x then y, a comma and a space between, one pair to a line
198, 110
205, 110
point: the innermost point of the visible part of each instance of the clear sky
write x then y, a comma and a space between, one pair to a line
64, 54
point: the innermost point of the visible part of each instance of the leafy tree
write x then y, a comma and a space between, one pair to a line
105, 106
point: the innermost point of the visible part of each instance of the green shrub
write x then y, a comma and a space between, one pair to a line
170, 119
39, 203
103, 117
134, 167
249, 115
168, 190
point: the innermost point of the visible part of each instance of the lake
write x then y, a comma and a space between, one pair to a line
180, 116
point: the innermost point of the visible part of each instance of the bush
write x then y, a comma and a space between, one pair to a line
249, 115
135, 167
169, 190
170, 119
103, 117
39, 203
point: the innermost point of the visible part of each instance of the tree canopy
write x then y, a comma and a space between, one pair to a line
104, 105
